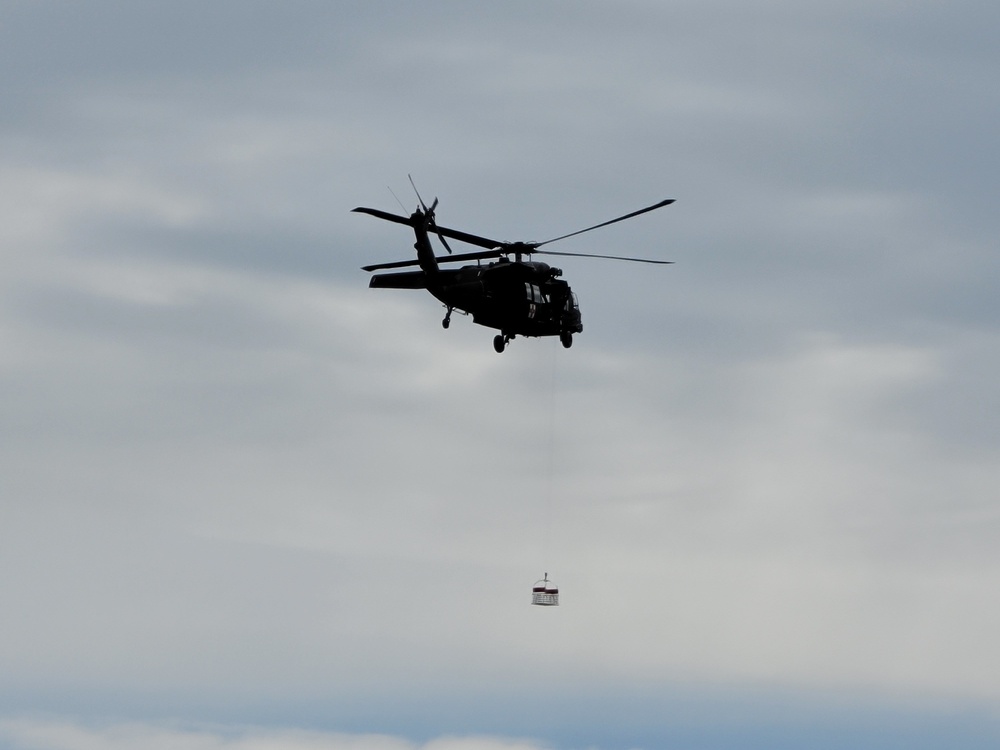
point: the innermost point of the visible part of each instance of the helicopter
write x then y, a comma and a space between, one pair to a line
515, 296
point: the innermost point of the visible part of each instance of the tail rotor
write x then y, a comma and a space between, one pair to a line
429, 213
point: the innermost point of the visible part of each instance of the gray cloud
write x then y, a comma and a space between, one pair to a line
236, 483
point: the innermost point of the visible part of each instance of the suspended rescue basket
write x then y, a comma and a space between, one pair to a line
545, 593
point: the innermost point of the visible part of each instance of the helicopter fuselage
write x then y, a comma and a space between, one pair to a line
518, 298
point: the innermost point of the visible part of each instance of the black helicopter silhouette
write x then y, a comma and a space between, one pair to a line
516, 297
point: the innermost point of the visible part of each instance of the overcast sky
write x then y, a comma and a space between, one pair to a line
248, 503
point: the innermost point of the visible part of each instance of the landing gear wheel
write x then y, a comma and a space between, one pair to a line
566, 339
499, 342
447, 319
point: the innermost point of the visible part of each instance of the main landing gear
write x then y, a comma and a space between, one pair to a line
501, 340
447, 319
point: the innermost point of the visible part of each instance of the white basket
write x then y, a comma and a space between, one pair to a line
544, 594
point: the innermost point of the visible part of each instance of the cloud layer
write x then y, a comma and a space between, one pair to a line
237, 487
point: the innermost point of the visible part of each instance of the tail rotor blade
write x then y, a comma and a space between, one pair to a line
422, 204
443, 240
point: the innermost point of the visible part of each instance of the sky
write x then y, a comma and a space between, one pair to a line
248, 503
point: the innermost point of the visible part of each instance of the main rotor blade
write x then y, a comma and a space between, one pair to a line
470, 239
394, 264
491, 244
661, 204
383, 215
440, 259
455, 234
608, 257
497, 253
